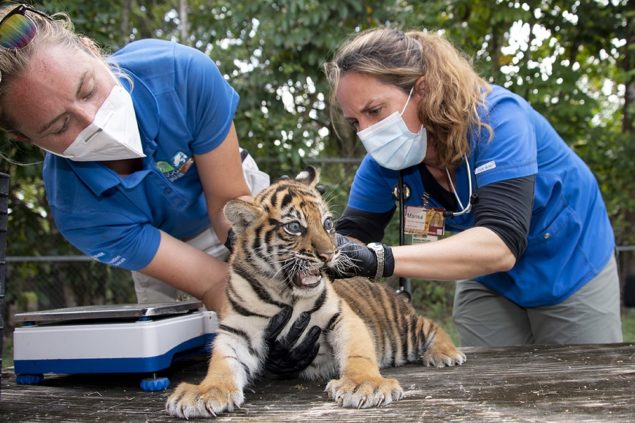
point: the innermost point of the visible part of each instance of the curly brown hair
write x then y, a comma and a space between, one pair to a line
452, 91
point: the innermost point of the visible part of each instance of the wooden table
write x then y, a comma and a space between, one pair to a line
532, 383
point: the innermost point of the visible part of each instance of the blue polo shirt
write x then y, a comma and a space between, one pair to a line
570, 237
184, 107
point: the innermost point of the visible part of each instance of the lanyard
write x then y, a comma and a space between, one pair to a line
405, 285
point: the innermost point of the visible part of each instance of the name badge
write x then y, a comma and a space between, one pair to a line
415, 220
424, 224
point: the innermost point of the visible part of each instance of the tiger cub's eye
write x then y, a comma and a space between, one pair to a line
293, 228
328, 224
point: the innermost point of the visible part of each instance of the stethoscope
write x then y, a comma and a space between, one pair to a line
471, 196
401, 192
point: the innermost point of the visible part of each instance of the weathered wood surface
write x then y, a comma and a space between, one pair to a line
538, 383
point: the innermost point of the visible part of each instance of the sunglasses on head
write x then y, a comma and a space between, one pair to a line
17, 29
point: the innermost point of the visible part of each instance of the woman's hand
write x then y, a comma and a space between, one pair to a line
372, 261
284, 360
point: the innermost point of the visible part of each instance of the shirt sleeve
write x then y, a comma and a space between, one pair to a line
111, 238
372, 188
209, 99
505, 207
512, 153
364, 226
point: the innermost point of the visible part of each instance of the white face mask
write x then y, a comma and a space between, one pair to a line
113, 134
391, 143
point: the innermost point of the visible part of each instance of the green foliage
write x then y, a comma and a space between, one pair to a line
572, 60
27, 300
282, 45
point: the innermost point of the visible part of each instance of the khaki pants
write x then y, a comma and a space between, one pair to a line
591, 315
150, 290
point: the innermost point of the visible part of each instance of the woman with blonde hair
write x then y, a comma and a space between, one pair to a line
141, 155
532, 246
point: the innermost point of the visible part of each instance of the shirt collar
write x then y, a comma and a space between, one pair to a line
100, 178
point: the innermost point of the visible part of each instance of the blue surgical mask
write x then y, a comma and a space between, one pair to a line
392, 144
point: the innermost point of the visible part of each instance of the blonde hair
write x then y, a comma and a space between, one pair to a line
451, 90
55, 31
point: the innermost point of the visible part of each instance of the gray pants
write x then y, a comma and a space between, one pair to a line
591, 315
150, 290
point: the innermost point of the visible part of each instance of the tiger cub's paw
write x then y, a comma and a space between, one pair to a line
443, 353
371, 392
195, 401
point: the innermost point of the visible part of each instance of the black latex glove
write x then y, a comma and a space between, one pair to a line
229, 242
360, 260
283, 361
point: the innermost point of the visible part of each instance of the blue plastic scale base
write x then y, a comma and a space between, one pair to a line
154, 384
124, 338
22, 379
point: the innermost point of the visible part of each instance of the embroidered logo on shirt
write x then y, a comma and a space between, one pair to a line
487, 166
181, 163
102, 257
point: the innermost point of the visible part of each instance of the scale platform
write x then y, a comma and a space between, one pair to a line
124, 338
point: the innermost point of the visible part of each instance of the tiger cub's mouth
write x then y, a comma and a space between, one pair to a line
308, 279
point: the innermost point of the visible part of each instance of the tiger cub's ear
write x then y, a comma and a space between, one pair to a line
241, 214
309, 176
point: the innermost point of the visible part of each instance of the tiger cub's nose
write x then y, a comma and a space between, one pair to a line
327, 256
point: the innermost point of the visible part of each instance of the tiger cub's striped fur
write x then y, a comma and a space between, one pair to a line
284, 243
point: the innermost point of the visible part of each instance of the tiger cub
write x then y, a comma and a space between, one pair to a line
285, 240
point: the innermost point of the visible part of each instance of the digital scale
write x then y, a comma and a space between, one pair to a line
125, 338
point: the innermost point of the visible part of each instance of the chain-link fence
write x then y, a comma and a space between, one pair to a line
39, 283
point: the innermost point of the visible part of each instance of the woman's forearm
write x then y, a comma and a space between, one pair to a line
473, 252
190, 270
